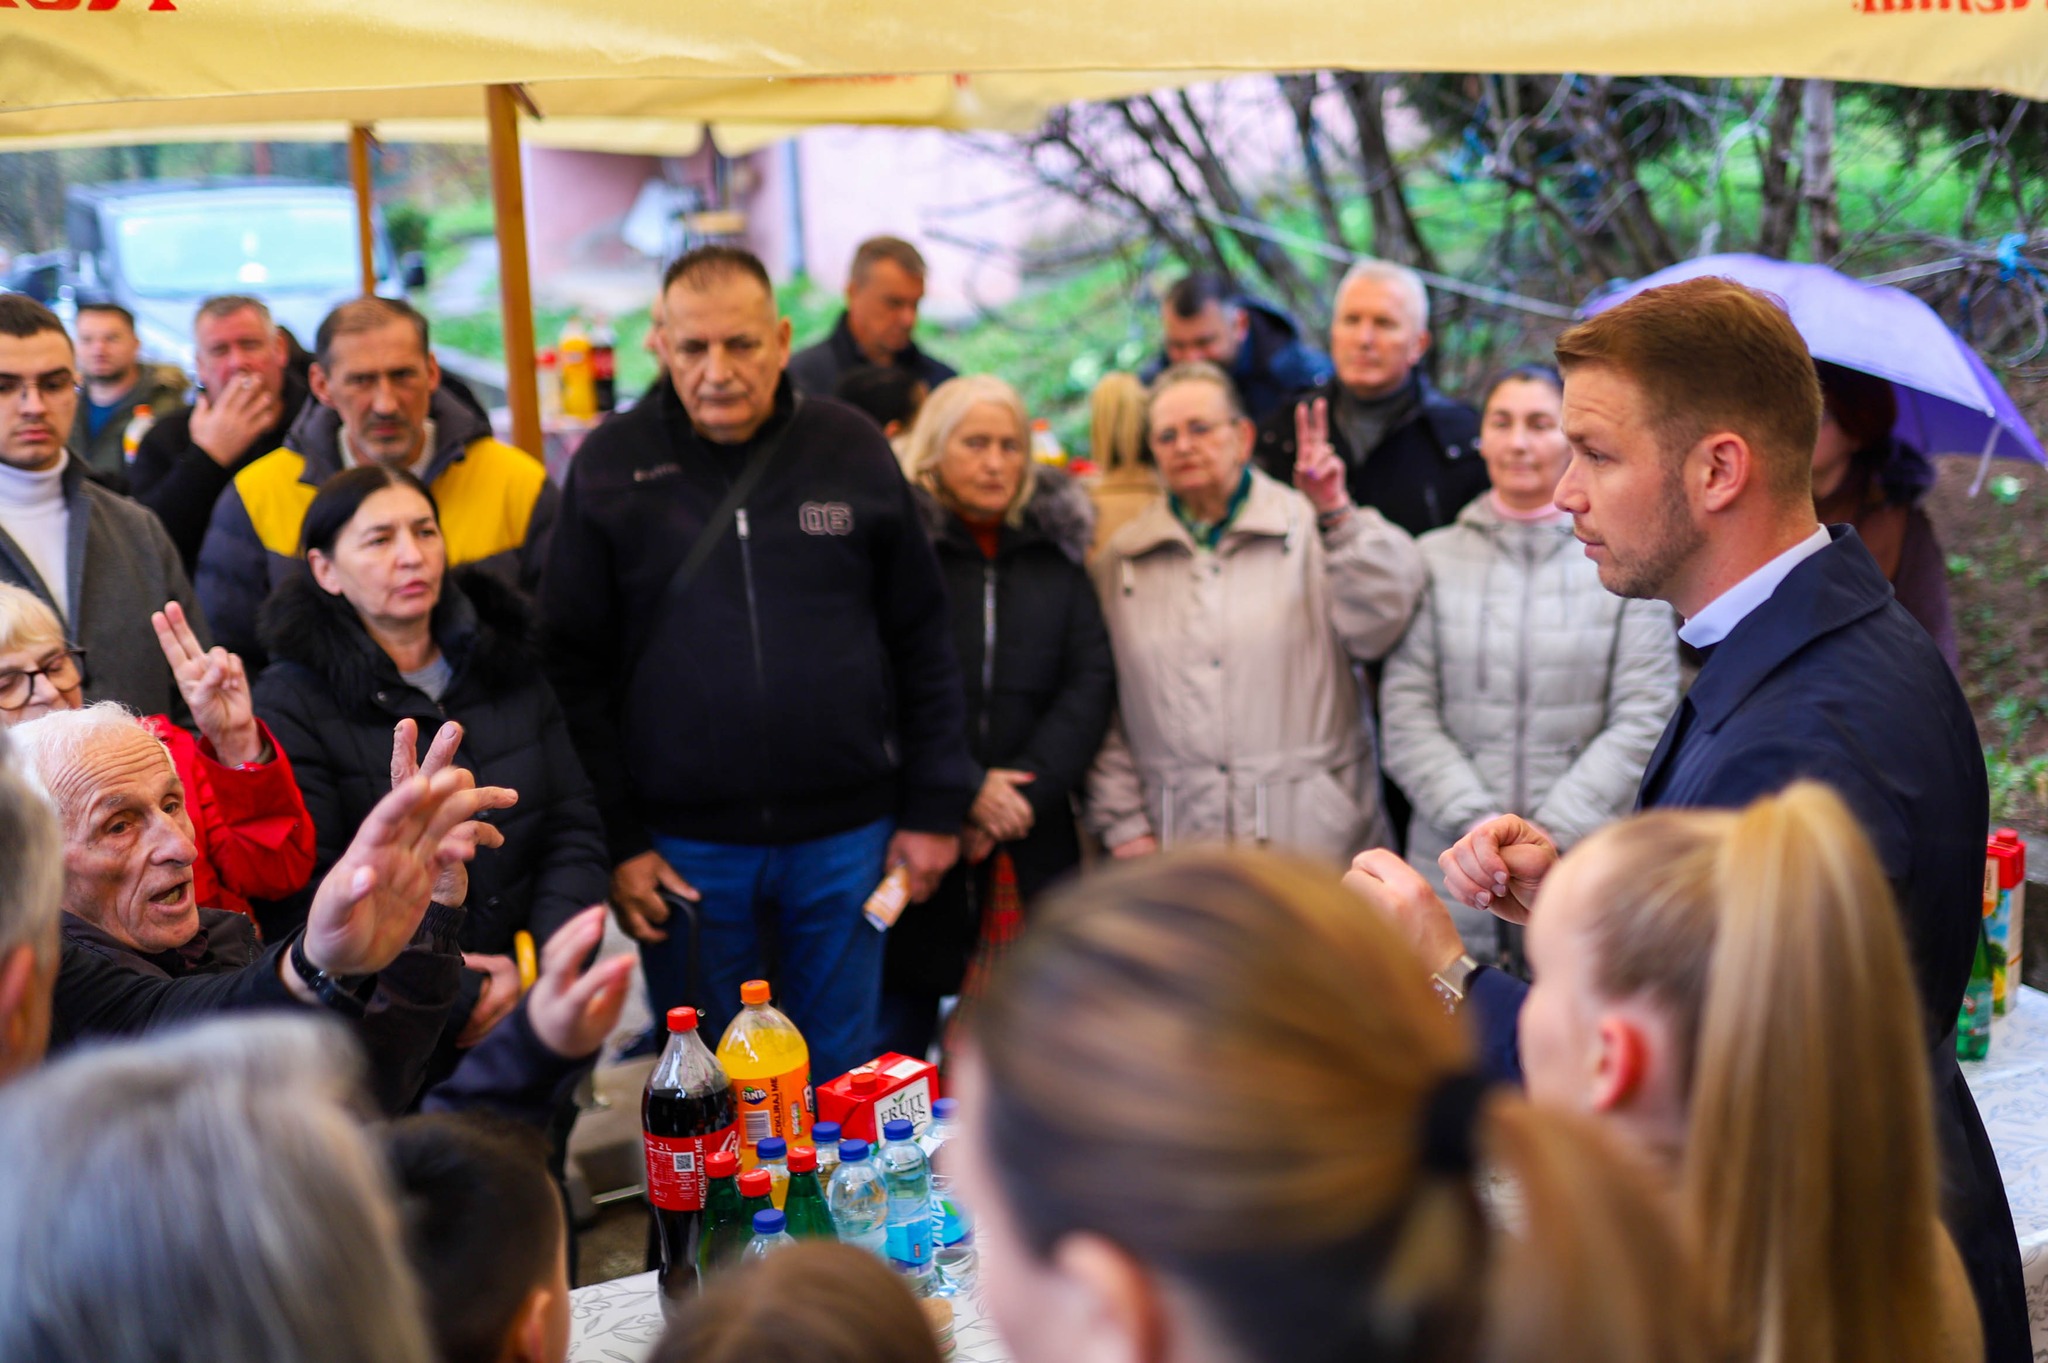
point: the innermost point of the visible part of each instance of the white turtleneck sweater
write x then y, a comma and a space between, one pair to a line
33, 514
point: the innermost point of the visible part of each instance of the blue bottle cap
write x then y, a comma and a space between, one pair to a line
853, 1151
898, 1130
825, 1133
774, 1147
945, 1108
769, 1222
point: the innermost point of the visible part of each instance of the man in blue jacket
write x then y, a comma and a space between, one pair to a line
747, 628
1692, 412
1203, 319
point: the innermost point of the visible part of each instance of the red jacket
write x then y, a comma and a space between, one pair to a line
255, 837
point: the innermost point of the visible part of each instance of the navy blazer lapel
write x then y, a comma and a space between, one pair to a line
1830, 589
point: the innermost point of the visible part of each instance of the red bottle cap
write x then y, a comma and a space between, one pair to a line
864, 1079
754, 991
721, 1164
803, 1159
754, 1183
682, 1019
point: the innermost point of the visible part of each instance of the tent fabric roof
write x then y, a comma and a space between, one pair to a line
64, 52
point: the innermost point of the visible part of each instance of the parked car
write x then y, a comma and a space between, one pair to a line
159, 247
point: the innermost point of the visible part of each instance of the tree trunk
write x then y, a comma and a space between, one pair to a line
1817, 169
1300, 94
1778, 212
1271, 258
1395, 235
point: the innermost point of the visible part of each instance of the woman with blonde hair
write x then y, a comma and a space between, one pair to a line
1214, 1112
1035, 664
1126, 483
1730, 990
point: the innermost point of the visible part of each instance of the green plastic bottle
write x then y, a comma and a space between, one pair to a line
809, 1218
726, 1231
756, 1195
1973, 1024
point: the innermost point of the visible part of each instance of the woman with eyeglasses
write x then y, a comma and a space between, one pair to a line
249, 823
1237, 608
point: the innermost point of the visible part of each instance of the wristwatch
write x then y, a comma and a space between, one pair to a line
1450, 983
345, 994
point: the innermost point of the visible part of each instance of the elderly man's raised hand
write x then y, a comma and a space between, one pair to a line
215, 686
371, 903
1499, 865
572, 1009
453, 886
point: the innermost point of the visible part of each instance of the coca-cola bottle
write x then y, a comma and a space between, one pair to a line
686, 1115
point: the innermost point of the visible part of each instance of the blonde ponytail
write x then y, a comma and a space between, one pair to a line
1227, 1066
1769, 940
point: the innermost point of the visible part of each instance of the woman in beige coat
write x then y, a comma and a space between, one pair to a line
1237, 609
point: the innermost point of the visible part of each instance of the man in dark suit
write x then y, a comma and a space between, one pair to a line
1692, 412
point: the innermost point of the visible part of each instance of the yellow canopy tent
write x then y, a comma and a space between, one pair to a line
76, 67
657, 117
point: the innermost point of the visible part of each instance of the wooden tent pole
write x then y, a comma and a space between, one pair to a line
508, 196
366, 203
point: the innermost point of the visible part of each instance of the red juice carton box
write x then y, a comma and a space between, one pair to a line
2005, 923
886, 1088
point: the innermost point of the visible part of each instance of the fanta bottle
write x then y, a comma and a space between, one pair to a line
770, 1067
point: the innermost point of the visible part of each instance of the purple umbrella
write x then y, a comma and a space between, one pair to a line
1949, 402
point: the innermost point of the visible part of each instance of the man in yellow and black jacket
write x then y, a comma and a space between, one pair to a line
377, 400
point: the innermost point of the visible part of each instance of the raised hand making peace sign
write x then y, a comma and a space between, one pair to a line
215, 687
1318, 472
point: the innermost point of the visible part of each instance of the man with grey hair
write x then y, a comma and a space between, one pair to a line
204, 1195
31, 887
380, 944
1411, 453
131, 922
249, 395
883, 290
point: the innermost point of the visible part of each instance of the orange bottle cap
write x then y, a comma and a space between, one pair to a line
754, 991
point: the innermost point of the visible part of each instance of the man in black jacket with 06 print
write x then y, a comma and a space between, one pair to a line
775, 717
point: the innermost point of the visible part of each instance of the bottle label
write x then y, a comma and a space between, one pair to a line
778, 1105
675, 1167
911, 1242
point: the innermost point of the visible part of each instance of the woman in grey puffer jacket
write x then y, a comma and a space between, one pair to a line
1522, 686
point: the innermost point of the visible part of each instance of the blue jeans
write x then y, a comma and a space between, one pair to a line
828, 960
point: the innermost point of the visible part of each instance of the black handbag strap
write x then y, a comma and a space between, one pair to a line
722, 516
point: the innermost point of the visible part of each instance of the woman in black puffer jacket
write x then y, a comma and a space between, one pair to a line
1035, 660
377, 632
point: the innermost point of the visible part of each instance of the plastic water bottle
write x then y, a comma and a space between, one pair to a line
773, 1155
859, 1200
908, 1175
826, 1136
952, 1227
769, 1236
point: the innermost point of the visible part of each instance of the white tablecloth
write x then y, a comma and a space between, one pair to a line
2011, 1088
619, 1321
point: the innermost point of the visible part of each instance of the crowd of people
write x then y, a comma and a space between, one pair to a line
319, 698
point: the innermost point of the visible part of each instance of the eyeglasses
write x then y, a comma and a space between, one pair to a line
63, 671
1196, 432
52, 385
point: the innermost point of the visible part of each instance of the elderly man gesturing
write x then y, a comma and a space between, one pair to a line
129, 903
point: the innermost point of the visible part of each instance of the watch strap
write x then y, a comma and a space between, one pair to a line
345, 994
1453, 982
